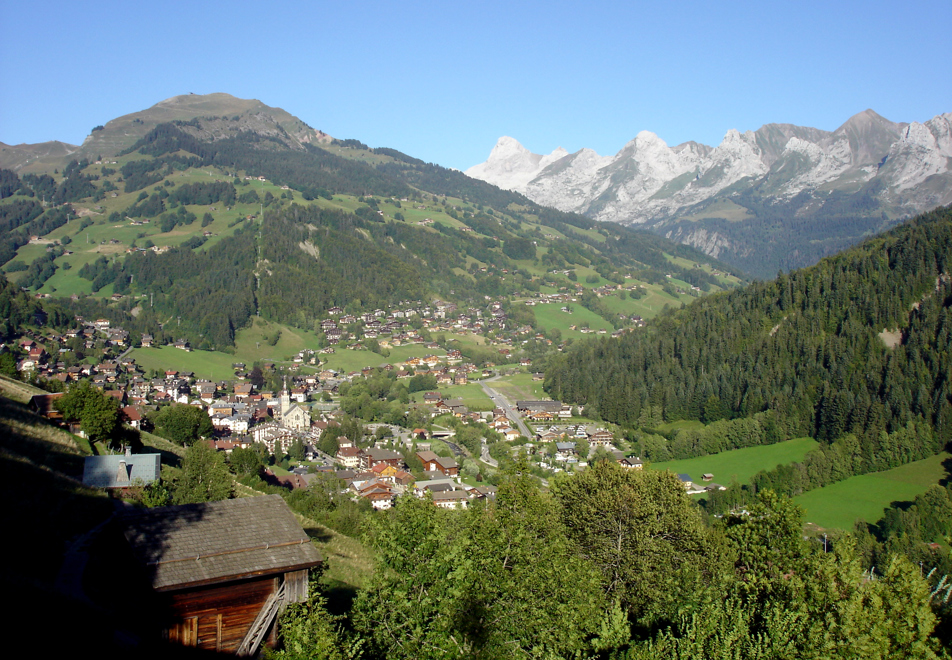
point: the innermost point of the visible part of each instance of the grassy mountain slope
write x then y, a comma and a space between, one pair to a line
42, 157
259, 220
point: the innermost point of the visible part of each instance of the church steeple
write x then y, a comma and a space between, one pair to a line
285, 398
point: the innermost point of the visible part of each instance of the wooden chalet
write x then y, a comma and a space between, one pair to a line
220, 573
432, 462
42, 404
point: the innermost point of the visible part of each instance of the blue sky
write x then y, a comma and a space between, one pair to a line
443, 81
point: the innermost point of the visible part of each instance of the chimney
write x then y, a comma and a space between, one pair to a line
123, 475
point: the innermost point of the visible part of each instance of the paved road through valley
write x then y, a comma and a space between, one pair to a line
502, 402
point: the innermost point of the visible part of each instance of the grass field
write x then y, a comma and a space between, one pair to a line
250, 345
216, 365
740, 463
205, 364
472, 395
346, 360
867, 496
682, 425
550, 315
519, 387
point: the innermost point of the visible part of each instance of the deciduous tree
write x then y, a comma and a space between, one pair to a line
204, 476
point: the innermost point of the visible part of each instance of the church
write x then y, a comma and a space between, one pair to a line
293, 416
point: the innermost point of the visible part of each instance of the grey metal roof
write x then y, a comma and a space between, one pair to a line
198, 544
105, 471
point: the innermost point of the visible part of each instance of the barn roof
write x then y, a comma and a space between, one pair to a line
201, 544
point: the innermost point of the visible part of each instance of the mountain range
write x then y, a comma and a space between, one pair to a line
782, 196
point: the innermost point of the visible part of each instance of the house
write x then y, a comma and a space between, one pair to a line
629, 462
42, 404
601, 438
121, 470
219, 572
435, 485
348, 457
564, 451
375, 455
380, 497
483, 492
553, 407
290, 481
131, 416
432, 462
453, 499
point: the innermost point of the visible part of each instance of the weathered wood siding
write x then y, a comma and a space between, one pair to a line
296, 586
218, 618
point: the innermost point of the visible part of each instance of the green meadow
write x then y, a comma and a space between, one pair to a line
346, 360
519, 387
867, 496
250, 344
550, 315
741, 464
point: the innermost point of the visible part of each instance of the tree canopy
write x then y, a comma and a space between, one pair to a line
97, 413
183, 423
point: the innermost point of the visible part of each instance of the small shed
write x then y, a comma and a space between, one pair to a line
221, 572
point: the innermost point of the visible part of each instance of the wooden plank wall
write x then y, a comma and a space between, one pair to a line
296, 586
217, 618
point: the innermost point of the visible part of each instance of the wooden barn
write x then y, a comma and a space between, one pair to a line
220, 573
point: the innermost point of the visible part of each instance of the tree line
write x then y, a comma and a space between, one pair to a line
806, 346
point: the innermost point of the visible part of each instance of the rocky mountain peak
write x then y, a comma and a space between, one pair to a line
511, 166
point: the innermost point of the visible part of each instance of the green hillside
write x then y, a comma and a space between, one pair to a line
210, 221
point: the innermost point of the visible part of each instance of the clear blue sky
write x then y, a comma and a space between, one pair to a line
442, 81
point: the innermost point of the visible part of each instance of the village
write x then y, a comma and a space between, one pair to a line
388, 460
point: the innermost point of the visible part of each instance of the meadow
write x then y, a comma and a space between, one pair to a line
250, 345
550, 315
347, 360
741, 464
866, 496
519, 387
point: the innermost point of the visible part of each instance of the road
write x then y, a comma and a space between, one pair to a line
485, 457
502, 402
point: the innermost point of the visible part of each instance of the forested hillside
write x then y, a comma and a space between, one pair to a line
213, 224
854, 351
